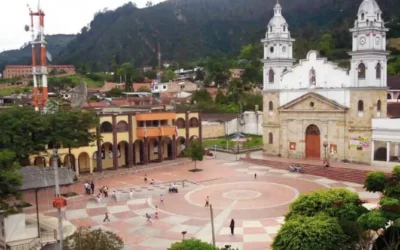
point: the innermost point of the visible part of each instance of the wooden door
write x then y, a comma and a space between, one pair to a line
313, 142
313, 146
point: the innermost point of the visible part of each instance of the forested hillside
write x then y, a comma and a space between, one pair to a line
192, 29
55, 43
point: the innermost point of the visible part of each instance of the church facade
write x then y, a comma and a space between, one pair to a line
315, 109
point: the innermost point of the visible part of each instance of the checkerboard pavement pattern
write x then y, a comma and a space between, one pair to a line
127, 218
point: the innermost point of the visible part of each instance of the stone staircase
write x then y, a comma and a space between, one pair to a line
339, 174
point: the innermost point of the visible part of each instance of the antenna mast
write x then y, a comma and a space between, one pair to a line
40, 90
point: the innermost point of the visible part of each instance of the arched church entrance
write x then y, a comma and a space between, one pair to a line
313, 142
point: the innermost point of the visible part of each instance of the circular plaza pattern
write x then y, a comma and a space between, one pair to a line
244, 195
241, 194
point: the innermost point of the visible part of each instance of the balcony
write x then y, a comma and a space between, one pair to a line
155, 116
156, 131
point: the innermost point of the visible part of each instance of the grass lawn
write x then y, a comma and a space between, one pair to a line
254, 141
10, 91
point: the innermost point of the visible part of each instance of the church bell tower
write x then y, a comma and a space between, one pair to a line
278, 50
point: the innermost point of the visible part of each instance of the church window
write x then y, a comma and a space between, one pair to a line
367, 21
312, 104
377, 16
270, 106
270, 138
271, 49
270, 28
271, 76
362, 16
360, 107
284, 28
361, 71
378, 71
313, 77
378, 106
283, 49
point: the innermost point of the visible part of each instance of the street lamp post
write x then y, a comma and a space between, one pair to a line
58, 194
212, 225
325, 146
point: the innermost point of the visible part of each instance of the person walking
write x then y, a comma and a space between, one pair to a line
255, 176
130, 194
207, 202
156, 213
148, 218
162, 198
145, 177
106, 217
92, 187
232, 226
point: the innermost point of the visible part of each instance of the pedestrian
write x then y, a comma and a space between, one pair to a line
105, 190
106, 218
130, 194
152, 181
162, 198
232, 226
87, 188
156, 213
207, 202
148, 217
92, 187
183, 184
145, 177
255, 176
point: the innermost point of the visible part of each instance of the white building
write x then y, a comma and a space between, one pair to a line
316, 109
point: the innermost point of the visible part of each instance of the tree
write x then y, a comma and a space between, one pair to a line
201, 96
325, 46
236, 91
149, 3
87, 239
168, 75
72, 129
196, 152
322, 210
309, 233
384, 221
115, 92
10, 181
192, 244
23, 132
199, 75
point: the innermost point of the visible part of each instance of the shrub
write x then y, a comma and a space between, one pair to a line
375, 181
192, 244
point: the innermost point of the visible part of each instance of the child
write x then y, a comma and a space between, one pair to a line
148, 217
106, 218
156, 213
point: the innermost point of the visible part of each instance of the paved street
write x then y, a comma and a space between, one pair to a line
257, 205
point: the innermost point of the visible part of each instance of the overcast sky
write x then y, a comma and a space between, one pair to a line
62, 17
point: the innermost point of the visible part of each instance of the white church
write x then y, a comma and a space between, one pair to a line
315, 109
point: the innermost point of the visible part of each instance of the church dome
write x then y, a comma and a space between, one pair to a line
277, 20
369, 7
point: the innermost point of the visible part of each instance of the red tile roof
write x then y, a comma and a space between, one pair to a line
96, 104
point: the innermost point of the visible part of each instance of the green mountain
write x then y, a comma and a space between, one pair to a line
191, 29
55, 44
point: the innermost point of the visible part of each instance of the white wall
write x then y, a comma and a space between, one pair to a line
386, 130
341, 96
15, 228
250, 123
328, 75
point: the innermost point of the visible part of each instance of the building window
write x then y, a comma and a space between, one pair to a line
361, 71
271, 76
378, 71
270, 28
270, 138
270, 106
389, 96
377, 16
362, 16
122, 126
284, 28
194, 122
360, 108
180, 123
106, 127
313, 77
164, 87
271, 49
378, 108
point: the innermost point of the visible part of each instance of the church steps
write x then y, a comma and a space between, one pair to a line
339, 174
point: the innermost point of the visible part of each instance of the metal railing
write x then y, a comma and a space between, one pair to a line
45, 238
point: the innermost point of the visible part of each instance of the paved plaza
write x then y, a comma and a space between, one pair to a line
257, 205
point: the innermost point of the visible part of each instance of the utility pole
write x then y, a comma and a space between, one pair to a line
58, 194
212, 225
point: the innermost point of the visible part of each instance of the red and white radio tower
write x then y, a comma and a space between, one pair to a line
39, 73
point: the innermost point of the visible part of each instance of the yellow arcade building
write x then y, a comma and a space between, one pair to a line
130, 139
